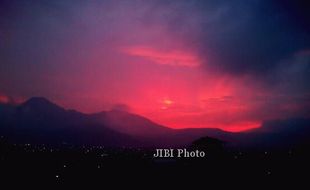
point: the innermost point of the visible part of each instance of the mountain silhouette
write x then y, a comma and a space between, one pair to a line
129, 123
41, 121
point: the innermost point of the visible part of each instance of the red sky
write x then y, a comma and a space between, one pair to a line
182, 64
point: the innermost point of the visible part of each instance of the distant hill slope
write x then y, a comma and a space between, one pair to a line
39, 120
129, 123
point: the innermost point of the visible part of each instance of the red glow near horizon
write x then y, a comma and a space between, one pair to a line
180, 94
4, 99
176, 63
168, 87
121, 56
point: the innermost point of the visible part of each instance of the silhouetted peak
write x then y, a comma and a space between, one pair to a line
41, 103
38, 101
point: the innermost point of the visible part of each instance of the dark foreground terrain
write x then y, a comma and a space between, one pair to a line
68, 164
42, 143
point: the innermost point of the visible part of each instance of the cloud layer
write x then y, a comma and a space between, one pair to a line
226, 64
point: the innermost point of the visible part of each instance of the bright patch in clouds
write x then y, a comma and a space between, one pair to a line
166, 103
173, 57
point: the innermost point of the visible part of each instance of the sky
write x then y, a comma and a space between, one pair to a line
183, 64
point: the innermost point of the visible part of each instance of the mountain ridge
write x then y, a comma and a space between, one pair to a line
40, 119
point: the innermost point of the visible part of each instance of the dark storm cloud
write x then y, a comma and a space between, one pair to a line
266, 41
240, 37
263, 40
